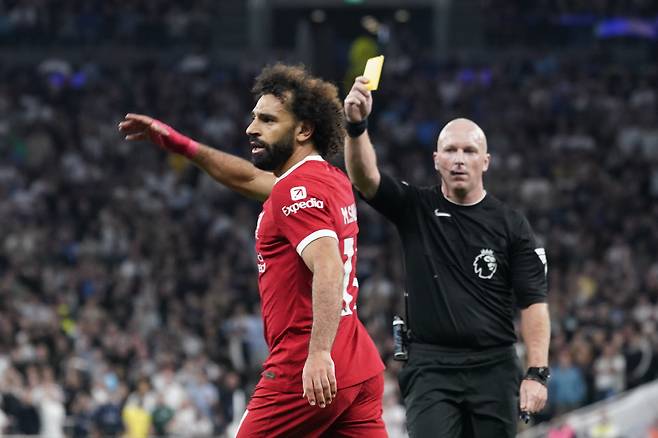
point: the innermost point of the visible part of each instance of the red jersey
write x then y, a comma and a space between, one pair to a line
312, 199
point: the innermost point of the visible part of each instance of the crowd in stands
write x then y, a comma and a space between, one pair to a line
128, 294
597, 8
565, 23
88, 22
154, 23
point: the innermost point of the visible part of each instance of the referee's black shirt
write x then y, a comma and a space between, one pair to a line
483, 262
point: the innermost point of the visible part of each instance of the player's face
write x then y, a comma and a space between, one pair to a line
271, 133
461, 159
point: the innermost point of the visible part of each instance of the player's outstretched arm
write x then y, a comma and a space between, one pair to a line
234, 172
360, 157
319, 376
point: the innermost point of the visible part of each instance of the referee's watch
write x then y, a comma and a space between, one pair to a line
538, 374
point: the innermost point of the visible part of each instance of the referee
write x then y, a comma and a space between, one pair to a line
470, 262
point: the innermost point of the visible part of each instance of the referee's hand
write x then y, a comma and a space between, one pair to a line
319, 379
533, 396
358, 103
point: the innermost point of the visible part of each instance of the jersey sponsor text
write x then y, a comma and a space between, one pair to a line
294, 208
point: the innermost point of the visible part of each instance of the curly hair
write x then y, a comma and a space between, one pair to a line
308, 98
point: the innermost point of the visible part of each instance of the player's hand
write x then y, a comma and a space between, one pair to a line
358, 103
141, 127
533, 396
319, 379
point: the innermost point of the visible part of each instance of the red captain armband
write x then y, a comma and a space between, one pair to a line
172, 141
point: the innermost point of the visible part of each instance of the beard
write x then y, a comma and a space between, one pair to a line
274, 155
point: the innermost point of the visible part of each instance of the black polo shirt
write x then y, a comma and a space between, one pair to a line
468, 268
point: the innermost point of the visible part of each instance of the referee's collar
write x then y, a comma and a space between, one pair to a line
484, 195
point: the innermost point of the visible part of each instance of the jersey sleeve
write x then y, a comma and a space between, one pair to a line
303, 210
391, 198
529, 266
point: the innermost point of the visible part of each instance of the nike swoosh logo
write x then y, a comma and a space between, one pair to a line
438, 213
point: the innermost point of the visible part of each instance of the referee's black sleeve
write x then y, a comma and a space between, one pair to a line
529, 266
391, 198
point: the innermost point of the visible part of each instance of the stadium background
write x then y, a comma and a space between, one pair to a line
127, 277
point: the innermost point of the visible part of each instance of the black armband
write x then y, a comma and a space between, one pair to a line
355, 129
538, 374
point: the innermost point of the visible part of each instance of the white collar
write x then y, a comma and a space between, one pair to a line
296, 165
465, 205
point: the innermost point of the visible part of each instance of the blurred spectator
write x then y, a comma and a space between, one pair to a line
567, 388
233, 403
82, 415
17, 402
166, 382
202, 392
136, 413
189, 421
107, 416
136, 421
638, 354
605, 428
609, 372
52, 413
143, 396
161, 416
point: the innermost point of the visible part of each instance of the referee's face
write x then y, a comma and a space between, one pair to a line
461, 157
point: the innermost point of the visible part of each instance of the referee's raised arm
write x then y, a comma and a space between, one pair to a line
360, 157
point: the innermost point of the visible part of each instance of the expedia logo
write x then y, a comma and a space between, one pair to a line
485, 264
294, 208
298, 193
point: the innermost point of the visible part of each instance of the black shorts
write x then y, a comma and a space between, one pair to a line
459, 394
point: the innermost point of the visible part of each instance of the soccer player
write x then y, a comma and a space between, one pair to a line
323, 376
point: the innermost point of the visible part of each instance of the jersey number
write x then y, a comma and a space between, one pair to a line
348, 250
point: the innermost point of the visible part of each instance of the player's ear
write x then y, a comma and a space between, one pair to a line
435, 156
304, 131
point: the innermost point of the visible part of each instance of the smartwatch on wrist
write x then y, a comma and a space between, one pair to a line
538, 374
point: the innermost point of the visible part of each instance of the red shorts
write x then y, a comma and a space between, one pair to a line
355, 412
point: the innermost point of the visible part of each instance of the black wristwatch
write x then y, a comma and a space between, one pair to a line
538, 374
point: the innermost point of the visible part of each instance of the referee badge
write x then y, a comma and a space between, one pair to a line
485, 264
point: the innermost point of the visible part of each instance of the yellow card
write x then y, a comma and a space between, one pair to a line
373, 70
